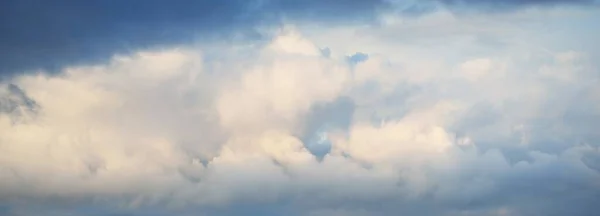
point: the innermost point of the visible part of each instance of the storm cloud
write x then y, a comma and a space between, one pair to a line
50, 35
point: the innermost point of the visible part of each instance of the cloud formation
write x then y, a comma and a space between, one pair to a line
51, 35
431, 115
39, 35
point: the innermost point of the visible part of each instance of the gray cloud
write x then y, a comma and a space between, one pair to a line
49, 35
324, 118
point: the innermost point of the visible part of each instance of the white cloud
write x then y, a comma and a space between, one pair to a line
161, 127
476, 68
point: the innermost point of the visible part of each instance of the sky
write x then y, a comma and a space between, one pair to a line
300, 108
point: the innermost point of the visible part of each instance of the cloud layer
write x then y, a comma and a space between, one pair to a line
39, 35
52, 35
432, 115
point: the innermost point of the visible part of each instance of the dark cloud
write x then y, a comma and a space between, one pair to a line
50, 34
38, 34
17, 105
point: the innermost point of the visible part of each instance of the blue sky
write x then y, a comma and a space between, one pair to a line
397, 107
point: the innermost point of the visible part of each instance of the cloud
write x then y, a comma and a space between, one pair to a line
49, 36
503, 6
39, 36
417, 128
516, 2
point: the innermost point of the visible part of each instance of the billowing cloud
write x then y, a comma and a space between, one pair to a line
431, 115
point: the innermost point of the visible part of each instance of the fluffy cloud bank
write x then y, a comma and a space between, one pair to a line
308, 124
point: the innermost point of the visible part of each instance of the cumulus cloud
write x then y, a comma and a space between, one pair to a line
406, 126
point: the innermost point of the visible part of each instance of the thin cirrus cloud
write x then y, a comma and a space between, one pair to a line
436, 114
